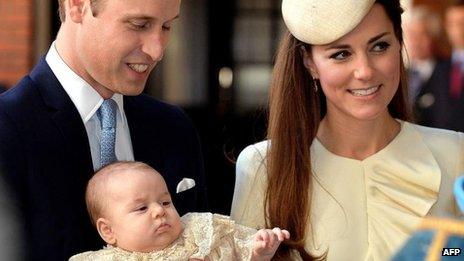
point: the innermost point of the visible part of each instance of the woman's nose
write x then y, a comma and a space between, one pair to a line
364, 69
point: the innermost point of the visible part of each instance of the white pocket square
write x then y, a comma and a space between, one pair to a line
185, 184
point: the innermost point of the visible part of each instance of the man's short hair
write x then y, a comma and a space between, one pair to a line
430, 18
457, 3
62, 10
96, 197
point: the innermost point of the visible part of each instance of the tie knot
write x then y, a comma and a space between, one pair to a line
107, 113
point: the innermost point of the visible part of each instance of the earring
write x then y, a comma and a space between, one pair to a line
316, 87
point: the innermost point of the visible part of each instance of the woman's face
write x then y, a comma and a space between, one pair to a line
359, 73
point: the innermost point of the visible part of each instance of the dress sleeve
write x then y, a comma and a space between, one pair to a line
250, 187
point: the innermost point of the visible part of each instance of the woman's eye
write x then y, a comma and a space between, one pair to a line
166, 203
341, 55
380, 47
166, 28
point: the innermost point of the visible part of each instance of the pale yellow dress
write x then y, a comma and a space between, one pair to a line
364, 210
205, 235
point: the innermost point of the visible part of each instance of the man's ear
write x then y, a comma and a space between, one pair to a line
105, 230
76, 9
309, 63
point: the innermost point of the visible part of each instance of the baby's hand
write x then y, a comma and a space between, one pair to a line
266, 243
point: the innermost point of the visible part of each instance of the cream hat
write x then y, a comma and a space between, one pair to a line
323, 21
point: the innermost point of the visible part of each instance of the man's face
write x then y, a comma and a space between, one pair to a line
118, 47
455, 26
418, 40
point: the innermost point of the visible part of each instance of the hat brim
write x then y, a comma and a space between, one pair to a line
320, 22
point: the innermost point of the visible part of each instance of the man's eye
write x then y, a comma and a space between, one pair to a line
166, 203
341, 55
166, 28
380, 47
140, 26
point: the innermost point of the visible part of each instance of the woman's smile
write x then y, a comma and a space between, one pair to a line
363, 92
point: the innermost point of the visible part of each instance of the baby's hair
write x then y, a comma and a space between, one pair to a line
95, 197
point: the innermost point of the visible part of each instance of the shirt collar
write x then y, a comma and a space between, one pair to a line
83, 95
458, 56
424, 68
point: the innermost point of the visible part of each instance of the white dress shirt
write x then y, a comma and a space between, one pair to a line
424, 68
87, 101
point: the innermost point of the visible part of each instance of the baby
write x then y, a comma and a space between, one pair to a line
131, 208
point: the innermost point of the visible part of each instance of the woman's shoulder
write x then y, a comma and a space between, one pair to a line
252, 159
437, 132
255, 151
441, 139
250, 185
447, 148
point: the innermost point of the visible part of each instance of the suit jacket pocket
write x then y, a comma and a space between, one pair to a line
185, 201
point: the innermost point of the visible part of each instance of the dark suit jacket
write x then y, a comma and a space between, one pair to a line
434, 107
45, 158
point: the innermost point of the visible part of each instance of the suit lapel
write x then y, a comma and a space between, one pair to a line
65, 115
144, 137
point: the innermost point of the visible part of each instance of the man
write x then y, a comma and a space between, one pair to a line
422, 29
446, 99
81, 108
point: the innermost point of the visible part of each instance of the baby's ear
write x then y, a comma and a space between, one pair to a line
106, 232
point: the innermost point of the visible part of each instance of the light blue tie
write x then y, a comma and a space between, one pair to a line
107, 115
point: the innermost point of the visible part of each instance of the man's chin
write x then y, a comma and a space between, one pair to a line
134, 91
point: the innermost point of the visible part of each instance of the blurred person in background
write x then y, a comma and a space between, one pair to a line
422, 29
443, 102
2, 88
81, 108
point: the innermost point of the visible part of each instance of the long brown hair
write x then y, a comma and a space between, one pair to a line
295, 111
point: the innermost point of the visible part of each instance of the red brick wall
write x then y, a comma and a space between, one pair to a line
16, 43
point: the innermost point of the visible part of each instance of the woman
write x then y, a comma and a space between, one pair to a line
342, 169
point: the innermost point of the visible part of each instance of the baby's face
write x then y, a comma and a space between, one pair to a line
140, 211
